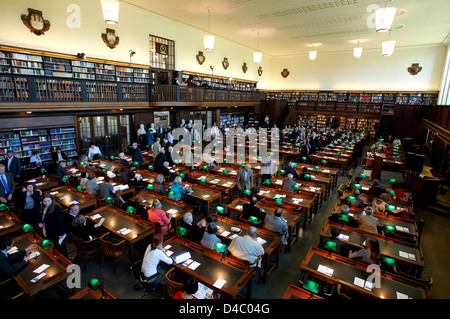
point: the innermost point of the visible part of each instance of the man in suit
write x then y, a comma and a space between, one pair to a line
160, 131
7, 185
291, 170
341, 247
342, 217
160, 159
13, 165
303, 176
158, 185
277, 224
137, 155
289, 183
166, 144
6, 259
169, 155
358, 203
245, 178
189, 199
375, 190
59, 156
251, 210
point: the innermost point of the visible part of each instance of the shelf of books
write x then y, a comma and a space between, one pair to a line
5, 62
83, 70
36, 140
100, 91
58, 90
10, 141
105, 72
141, 75
124, 74
65, 139
134, 92
57, 67
26, 64
14, 89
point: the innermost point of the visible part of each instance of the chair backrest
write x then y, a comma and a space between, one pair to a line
79, 244
253, 264
172, 286
109, 249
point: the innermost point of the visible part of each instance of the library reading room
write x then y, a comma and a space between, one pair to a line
231, 151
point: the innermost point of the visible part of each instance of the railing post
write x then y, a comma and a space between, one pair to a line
32, 92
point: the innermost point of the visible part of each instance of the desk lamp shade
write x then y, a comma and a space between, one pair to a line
390, 208
362, 175
392, 180
282, 171
324, 161
295, 164
131, 209
203, 181
258, 158
316, 167
176, 161
172, 194
27, 228
181, 231
150, 186
390, 229
391, 192
343, 217
82, 164
358, 186
351, 198
278, 201
241, 155
307, 176
109, 200
79, 188
330, 245
290, 146
46, 244
247, 192
104, 170
111, 157
182, 175
311, 285
3, 207
224, 160
304, 158
150, 167
134, 163
253, 219
242, 164
267, 181
388, 261
95, 284
296, 187
225, 171
43, 171
219, 247
205, 167
100, 154
220, 209
398, 156
64, 180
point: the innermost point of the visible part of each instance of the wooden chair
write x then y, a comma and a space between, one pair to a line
172, 286
168, 234
341, 294
253, 265
10, 290
85, 249
420, 224
116, 251
148, 285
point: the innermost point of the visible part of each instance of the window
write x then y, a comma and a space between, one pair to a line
162, 53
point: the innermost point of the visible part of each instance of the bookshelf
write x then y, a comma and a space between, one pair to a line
32, 140
58, 90
141, 75
321, 122
13, 89
105, 72
124, 74
57, 67
83, 70
64, 138
10, 141
26, 64
5, 62
134, 92
100, 91
219, 82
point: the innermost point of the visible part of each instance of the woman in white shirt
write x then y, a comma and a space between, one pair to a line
170, 137
36, 158
152, 257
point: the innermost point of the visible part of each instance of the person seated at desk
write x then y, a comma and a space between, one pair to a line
302, 176
399, 193
288, 184
83, 179
368, 222
91, 185
8, 259
342, 217
61, 170
123, 161
165, 169
375, 190
370, 254
59, 156
158, 185
93, 153
159, 160
194, 232
157, 215
7, 185
291, 170
210, 238
153, 256
188, 198
110, 172
35, 159
247, 247
358, 203
251, 210
190, 287
277, 224
341, 247
357, 180
177, 188
379, 205
106, 189
29, 204
76, 224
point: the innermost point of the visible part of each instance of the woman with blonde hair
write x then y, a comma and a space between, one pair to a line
159, 216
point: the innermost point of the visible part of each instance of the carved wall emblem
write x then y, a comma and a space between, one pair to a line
285, 73
35, 22
200, 57
244, 67
414, 69
110, 38
225, 63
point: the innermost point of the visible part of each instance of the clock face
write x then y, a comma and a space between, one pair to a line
36, 21
162, 48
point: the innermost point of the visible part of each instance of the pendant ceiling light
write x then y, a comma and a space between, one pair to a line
312, 54
208, 39
257, 56
388, 47
357, 52
110, 11
384, 18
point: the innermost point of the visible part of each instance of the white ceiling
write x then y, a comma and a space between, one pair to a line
290, 27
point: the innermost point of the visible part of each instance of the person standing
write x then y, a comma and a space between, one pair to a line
13, 165
245, 178
137, 155
7, 185
93, 152
29, 204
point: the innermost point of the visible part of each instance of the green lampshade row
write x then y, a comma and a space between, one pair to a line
330, 245
220, 247
311, 285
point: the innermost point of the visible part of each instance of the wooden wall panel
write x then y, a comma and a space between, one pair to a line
29, 122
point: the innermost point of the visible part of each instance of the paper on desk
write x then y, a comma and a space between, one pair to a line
53, 193
194, 265
169, 253
13, 250
73, 202
63, 197
343, 237
368, 285
41, 268
38, 184
219, 283
203, 292
412, 257
401, 296
225, 233
167, 247
172, 211
233, 236
126, 231
35, 279
403, 254
101, 221
32, 181
261, 241
325, 270
96, 216
359, 282
279, 182
206, 196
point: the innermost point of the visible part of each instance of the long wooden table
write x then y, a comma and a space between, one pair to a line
270, 242
304, 187
43, 183
88, 293
341, 162
226, 185
293, 218
402, 252
294, 292
117, 220
9, 222
55, 273
66, 195
213, 266
353, 275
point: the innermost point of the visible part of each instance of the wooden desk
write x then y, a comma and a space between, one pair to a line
167, 204
291, 201
312, 189
293, 218
341, 162
116, 219
71, 196
88, 293
204, 194
212, 267
43, 183
388, 247
294, 292
319, 178
9, 223
100, 164
323, 171
226, 185
345, 271
55, 273
271, 246
147, 176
